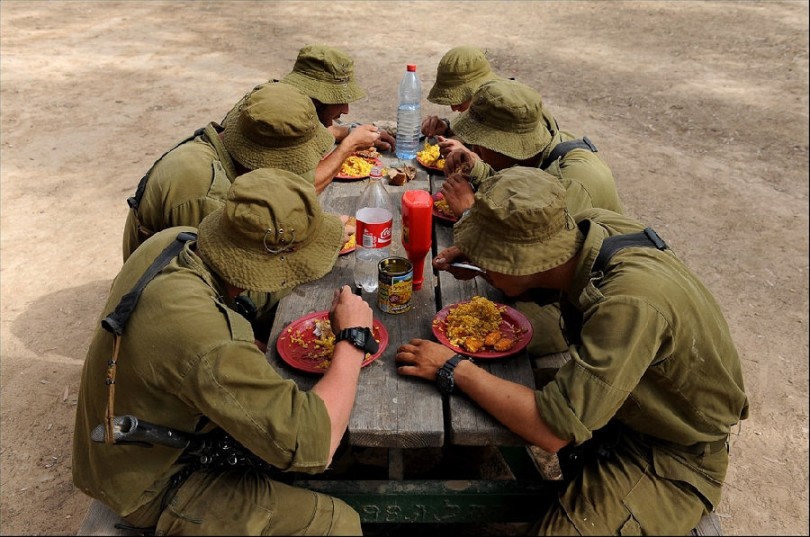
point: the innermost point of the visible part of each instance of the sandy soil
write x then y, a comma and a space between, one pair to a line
700, 108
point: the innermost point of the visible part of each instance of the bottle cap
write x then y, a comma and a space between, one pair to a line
376, 172
412, 67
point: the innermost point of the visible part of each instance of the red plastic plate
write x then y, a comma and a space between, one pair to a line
301, 354
512, 322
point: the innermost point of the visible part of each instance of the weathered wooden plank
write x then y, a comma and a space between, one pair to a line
390, 411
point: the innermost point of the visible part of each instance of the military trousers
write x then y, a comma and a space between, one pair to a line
245, 502
621, 494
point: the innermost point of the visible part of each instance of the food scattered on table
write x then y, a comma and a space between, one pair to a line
398, 176
430, 156
476, 326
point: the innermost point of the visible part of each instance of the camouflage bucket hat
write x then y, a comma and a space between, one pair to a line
460, 72
519, 224
507, 117
271, 234
326, 74
276, 126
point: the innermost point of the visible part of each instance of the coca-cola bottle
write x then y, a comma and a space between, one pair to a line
375, 218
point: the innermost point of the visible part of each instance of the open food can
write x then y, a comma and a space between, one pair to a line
396, 285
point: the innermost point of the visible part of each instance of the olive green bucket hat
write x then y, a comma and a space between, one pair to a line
519, 224
507, 117
276, 126
271, 234
460, 72
326, 74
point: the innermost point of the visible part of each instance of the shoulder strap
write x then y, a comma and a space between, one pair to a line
563, 148
613, 244
117, 320
572, 317
135, 200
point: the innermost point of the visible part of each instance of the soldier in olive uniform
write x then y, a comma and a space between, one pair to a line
187, 360
506, 126
326, 75
461, 71
654, 385
273, 127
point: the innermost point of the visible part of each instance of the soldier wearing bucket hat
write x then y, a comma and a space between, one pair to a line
461, 71
186, 360
273, 126
653, 376
505, 127
326, 75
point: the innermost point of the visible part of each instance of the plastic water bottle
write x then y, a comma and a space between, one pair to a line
409, 114
375, 217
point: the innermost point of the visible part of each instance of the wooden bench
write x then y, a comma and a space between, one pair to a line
101, 520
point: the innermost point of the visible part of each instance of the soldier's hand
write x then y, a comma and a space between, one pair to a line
459, 194
446, 145
349, 310
433, 126
362, 137
460, 159
421, 358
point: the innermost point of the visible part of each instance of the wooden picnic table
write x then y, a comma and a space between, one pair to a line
398, 412
394, 411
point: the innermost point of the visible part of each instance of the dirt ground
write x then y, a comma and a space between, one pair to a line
700, 108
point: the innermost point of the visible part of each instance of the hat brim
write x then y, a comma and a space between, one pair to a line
298, 159
454, 94
516, 145
488, 249
257, 270
325, 92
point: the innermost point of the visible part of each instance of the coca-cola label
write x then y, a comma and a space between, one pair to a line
374, 227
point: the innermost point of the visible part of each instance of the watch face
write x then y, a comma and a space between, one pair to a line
360, 338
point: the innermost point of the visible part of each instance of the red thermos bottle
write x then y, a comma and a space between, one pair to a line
417, 229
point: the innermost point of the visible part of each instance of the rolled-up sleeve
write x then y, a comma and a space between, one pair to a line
238, 390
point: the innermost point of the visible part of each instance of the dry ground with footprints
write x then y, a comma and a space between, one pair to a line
700, 108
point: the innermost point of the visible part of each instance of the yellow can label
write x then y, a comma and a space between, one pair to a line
396, 285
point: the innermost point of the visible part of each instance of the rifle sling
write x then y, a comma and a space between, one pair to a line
116, 321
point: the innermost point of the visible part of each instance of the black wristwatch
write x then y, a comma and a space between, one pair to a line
445, 379
360, 337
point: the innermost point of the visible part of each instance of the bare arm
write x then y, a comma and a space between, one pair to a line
511, 404
362, 137
338, 387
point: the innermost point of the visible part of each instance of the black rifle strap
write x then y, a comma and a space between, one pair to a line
117, 320
571, 316
135, 201
562, 149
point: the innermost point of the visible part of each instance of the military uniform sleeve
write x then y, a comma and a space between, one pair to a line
237, 389
481, 170
593, 180
621, 337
